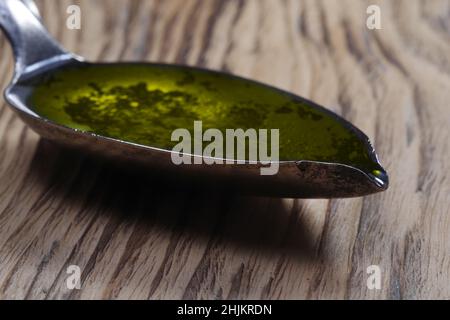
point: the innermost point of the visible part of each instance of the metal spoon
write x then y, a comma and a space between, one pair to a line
36, 53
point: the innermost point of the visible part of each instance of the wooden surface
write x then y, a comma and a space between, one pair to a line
134, 237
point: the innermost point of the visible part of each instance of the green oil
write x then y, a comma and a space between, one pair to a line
144, 103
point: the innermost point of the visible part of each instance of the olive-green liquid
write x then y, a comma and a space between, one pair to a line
143, 104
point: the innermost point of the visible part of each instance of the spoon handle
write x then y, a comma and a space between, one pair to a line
31, 5
32, 44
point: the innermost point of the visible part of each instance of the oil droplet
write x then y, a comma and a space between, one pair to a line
376, 173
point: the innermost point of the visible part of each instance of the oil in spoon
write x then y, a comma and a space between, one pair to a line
145, 103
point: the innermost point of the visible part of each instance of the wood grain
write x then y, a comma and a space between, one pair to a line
135, 237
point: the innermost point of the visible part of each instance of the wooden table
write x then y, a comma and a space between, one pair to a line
145, 239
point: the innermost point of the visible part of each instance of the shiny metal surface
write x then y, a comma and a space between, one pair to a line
36, 52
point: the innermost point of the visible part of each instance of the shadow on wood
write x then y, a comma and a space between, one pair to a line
148, 201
